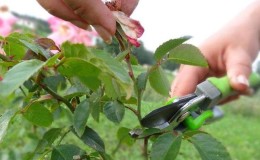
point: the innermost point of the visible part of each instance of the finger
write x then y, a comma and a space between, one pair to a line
96, 13
238, 65
128, 6
59, 9
229, 99
187, 80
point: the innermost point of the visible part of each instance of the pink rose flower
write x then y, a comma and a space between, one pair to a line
132, 28
7, 20
65, 31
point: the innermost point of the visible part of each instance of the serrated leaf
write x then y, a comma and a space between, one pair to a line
166, 147
48, 138
133, 60
55, 82
114, 111
38, 115
141, 81
159, 82
15, 50
124, 137
96, 109
209, 148
17, 75
163, 49
113, 68
187, 54
5, 121
86, 72
112, 88
65, 152
75, 50
122, 55
77, 88
81, 115
92, 139
53, 60
149, 132
29, 42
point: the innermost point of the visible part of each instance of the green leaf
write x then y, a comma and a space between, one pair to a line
48, 138
113, 68
166, 147
81, 115
122, 55
5, 120
188, 134
75, 50
15, 50
77, 88
65, 152
159, 81
209, 148
163, 49
124, 137
53, 60
141, 81
93, 140
86, 72
114, 111
149, 132
55, 82
17, 75
134, 60
29, 42
187, 54
112, 88
38, 115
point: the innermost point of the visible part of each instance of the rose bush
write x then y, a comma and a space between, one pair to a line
56, 96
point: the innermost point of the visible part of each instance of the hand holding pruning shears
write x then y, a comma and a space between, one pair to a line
190, 112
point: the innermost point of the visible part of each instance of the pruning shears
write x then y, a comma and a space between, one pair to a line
194, 110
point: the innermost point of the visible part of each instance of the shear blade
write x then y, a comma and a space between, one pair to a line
161, 117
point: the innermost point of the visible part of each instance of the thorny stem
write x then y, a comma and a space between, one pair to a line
58, 97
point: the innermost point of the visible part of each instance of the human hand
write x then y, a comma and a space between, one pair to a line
231, 51
89, 12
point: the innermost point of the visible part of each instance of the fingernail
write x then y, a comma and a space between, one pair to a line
89, 28
104, 34
242, 80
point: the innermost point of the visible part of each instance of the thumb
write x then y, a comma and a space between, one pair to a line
238, 65
187, 79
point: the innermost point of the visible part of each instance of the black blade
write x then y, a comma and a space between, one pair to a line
165, 114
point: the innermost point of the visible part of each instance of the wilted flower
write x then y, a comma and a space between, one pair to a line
132, 28
65, 31
7, 20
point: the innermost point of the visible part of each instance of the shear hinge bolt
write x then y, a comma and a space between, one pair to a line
183, 116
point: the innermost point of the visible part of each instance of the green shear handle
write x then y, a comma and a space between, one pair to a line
223, 85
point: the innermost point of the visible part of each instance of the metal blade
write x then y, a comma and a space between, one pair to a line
161, 116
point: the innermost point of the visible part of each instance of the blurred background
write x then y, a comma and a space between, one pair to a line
163, 20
